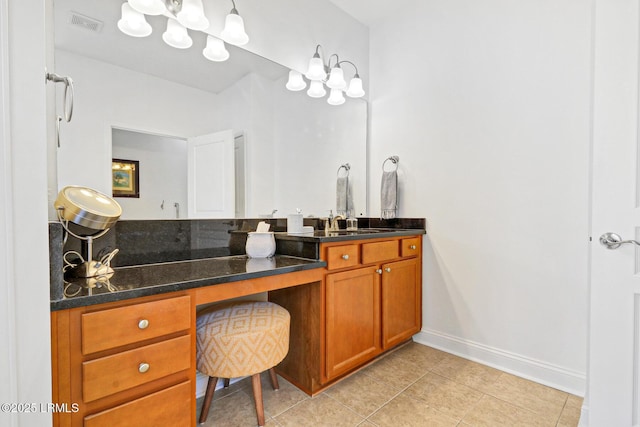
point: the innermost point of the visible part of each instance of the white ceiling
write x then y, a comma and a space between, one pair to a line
369, 12
150, 54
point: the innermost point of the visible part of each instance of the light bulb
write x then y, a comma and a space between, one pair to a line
192, 15
316, 89
296, 82
176, 35
336, 79
316, 69
215, 50
133, 23
148, 7
233, 31
336, 97
355, 87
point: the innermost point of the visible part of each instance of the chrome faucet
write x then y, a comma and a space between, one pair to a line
334, 226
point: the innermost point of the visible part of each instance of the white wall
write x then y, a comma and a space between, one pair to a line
24, 284
293, 142
162, 171
287, 31
23, 193
487, 105
107, 96
248, 107
313, 139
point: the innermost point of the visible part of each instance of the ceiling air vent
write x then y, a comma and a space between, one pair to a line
85, 22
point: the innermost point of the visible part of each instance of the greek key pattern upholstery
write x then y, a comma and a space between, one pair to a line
241, 339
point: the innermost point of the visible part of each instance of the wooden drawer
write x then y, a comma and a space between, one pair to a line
410, 247
342, 257
168, 407
379, 251
105, 329
121, 371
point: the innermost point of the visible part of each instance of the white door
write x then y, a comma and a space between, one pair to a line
614, 327
240, 150
211, 176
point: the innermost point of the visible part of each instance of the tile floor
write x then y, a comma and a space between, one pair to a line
413, 386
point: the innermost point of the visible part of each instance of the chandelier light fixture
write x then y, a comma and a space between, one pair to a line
183, 15
320, 74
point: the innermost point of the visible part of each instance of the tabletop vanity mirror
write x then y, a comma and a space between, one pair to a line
139, 100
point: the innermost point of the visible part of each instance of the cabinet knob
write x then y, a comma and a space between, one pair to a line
388, 269
412, 247
345, 257
143, 367
379, 271
143, 324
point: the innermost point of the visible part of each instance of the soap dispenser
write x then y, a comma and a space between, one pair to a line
352, 224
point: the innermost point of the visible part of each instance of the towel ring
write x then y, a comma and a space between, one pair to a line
68, 92
346, 167
393, 159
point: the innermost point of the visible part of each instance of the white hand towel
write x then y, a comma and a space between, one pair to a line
389, 195
344, 202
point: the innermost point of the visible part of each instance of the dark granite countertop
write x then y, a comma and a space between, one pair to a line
320, 236
151, 279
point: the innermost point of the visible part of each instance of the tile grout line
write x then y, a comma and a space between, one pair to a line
562, 410
484, 393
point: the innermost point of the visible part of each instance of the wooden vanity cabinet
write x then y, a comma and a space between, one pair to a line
369, 301
125, 363
352, 301
374, 306
401, 301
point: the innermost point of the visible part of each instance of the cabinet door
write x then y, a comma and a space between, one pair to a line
401, 301
352, 319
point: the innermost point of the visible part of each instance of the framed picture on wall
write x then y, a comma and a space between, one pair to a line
125, 178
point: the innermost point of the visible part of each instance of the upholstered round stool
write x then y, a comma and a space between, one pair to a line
238, 340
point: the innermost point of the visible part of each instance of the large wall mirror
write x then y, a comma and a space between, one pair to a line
139, 99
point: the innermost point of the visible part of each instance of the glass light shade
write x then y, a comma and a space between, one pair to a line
336, 79
233, 31
355, 88
148, 7
215, 50
133, 23
316, 69
316, 89
296, 82
336, 97
176, 35
192, 15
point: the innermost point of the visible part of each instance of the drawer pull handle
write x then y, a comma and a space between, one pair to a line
388, 269
143, 324
143, 367
379, 271
345, 257
412, 247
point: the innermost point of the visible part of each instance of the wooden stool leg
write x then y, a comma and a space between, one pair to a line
257, 396
274, 379
226, 382
211, 388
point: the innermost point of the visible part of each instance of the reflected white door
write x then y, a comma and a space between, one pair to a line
240, 150
614, 328
211, 176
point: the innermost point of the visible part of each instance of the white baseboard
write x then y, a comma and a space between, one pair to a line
541, 372
202, 380
201, 384
584, 417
